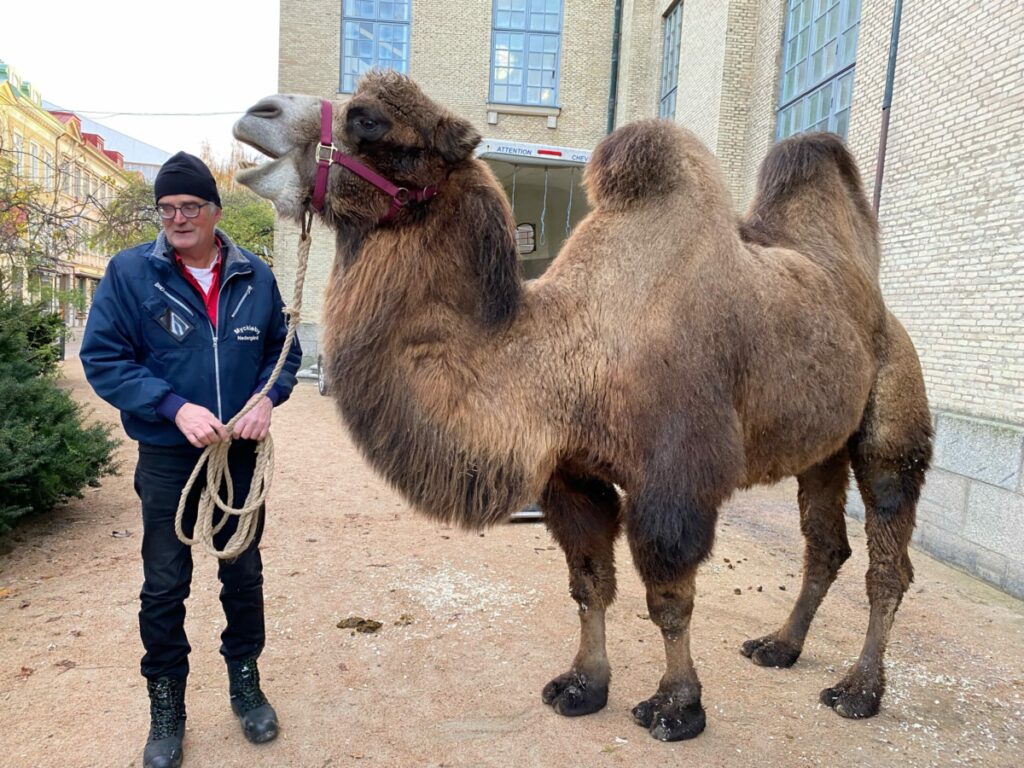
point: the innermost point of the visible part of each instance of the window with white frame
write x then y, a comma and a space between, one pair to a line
525, 52
819, 53
18, 150
374, 35
670, 38
65, 174
33, 159
48, 170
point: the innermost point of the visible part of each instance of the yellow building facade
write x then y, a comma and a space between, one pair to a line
71, 179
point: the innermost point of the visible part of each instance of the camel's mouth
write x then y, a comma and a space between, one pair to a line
250, 176
259, 148
249, 133
273, 127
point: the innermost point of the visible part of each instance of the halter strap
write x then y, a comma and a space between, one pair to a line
327, 154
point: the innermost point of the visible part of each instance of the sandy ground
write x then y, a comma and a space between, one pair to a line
491, 623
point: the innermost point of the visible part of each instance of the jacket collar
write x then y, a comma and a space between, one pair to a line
235, 261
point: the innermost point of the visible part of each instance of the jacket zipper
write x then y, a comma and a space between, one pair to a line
213, 333
241, 301
175, 299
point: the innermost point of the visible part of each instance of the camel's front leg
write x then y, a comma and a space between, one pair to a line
582, 514
675, 711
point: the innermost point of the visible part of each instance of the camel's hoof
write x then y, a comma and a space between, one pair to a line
853, 698
668, 720
572, 695
770, 651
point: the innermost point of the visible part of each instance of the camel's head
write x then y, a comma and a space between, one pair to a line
388, 125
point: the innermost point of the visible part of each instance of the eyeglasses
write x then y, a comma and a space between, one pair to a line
188, 210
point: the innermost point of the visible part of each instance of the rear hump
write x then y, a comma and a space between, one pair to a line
809, 190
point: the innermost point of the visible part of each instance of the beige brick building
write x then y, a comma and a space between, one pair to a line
740, 73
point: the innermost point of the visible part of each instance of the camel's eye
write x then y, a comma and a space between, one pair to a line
363, 125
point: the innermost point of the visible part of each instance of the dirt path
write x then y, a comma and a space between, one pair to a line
491, 622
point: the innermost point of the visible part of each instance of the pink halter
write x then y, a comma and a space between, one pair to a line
327, 153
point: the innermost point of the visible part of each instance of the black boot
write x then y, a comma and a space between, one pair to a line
259, 721
167, 723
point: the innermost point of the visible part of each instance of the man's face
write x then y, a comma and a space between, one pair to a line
184, 233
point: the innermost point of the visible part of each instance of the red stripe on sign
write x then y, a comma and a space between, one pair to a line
552, 152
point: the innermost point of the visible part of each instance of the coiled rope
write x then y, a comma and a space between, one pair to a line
215, 457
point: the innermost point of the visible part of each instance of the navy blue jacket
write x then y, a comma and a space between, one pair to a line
149, 345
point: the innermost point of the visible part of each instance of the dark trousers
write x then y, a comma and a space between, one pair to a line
160, 476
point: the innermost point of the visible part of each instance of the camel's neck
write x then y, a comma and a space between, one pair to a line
414, 336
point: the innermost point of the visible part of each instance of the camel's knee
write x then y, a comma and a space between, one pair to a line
672, 617
671, 605
827, 558
889, 576
827, 547
592, 583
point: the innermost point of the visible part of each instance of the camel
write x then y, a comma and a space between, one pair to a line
669, 356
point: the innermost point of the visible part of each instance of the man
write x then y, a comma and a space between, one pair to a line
183, 332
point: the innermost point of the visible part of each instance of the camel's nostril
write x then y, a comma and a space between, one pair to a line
267, 110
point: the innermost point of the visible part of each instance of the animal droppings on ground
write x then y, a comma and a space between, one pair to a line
404, 620
359, 624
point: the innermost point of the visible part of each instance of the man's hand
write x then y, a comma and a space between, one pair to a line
255, 425
200, 426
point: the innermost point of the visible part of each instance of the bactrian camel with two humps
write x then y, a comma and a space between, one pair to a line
669, 356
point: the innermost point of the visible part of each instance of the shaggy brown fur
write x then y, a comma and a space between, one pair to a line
665, 359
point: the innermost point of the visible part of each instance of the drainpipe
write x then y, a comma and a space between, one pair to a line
894, 42
614, 87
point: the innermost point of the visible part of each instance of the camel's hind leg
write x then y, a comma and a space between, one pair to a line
582, 514
890, 455
822, 499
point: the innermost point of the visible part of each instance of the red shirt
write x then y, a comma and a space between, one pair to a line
209, 297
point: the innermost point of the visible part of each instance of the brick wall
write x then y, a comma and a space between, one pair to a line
952, 205
952, 223
766, 55
639, 60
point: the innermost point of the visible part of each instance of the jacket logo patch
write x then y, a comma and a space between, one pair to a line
175, 324
247, 333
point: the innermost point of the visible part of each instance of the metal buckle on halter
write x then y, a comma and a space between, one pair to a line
401, 196
328, 158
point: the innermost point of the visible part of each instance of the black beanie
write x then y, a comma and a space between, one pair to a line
186, 174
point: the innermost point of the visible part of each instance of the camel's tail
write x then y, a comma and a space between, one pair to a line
810, 197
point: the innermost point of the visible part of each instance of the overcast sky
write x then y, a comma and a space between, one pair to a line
119, 56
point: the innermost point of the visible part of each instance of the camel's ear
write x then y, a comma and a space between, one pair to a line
455, 138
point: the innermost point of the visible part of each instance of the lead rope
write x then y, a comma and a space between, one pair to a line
215, 456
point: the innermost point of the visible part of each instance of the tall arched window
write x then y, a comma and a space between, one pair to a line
819, 53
